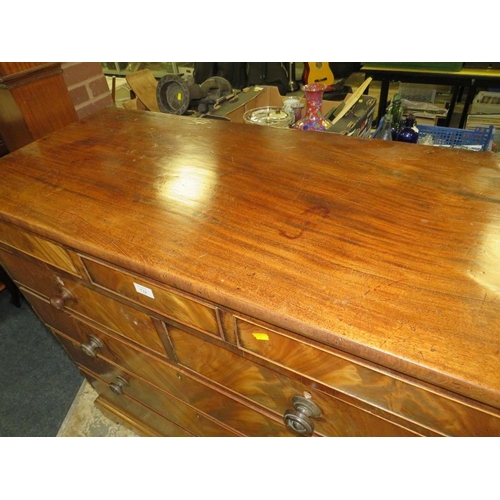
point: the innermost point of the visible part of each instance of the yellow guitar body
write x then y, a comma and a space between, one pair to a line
318, 72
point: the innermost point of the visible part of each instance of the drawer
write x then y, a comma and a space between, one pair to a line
131, 411
162, 300
275, 391
37, 247
122, 383
162, 375
121, 318
395, 395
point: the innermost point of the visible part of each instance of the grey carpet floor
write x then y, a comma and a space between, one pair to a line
38, 381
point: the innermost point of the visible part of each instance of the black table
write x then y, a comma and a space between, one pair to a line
466, 78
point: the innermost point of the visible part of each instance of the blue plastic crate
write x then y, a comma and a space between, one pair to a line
479, 139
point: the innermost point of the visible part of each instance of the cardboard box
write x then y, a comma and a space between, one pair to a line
357, 122
251, 98
255, 97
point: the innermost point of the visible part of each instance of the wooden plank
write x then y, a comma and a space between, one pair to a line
352, 100
144, 85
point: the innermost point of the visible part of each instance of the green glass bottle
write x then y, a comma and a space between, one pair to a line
397, 115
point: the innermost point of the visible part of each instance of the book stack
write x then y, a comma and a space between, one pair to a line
484, 111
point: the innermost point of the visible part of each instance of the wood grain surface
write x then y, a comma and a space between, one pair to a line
384, 250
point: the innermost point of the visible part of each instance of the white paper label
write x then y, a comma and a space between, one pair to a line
144, 290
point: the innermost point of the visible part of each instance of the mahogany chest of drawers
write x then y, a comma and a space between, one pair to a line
218, 279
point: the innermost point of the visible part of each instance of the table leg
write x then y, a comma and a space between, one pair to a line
454, 96
382, 102
468, 101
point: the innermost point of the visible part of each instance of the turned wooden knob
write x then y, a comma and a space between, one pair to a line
117, 387
90, 349
59, 301
299, 419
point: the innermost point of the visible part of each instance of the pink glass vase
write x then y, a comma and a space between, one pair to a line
313, 119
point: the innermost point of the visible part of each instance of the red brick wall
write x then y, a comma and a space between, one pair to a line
87, 87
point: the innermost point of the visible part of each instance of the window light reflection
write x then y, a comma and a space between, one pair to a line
485, 268
188, 185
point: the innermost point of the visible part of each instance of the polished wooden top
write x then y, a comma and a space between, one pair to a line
385, 250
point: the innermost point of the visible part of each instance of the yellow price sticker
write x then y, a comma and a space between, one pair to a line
261, 336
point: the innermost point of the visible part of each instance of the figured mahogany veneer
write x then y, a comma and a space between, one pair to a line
219, 279
395, 394
159, 299
170, 379
37, 247
64, 292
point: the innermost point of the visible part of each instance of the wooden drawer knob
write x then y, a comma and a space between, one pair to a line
117, 387
59, 301
90, 348
299, 419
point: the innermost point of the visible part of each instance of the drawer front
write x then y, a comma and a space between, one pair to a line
160, 299
138, 414
414, 403
274, 390
37, 246
123, 319
121, 383
219, 406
